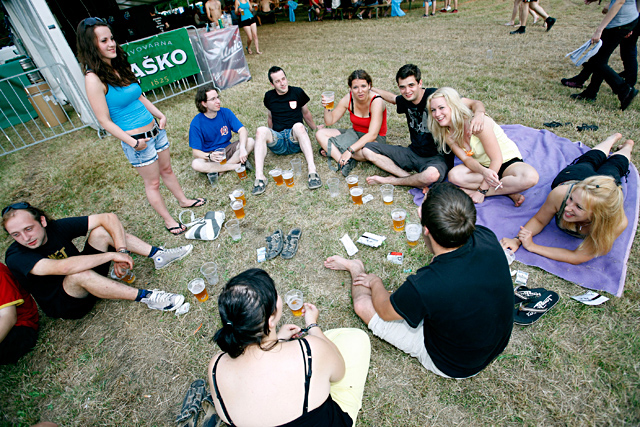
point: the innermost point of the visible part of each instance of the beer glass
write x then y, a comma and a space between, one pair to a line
276, 174
129, 277
294, 300
198, 288
238, 208
242, 172
356, 195
220, 152
387, 194
238, 194
413, 232
329, 98
352, 181
288, 177
210, 272
398, 216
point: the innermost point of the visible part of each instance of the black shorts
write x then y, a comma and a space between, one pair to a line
507, 164
594, 162
18, 342
247, 22
407, 160
64, 306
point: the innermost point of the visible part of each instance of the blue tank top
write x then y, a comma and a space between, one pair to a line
247, 11
125, 108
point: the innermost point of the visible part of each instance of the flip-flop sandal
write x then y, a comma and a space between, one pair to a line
200, 201
211, 418
259, 187
586, 127
314, 181
523, 294
192, 404
528, 313
274, 244
177, 230
291, 243
553, 124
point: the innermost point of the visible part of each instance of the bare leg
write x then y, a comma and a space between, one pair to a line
170, 180
263, 137
361, 296
254, 31
606, 145
322, 136
100, 239
402, 177
539, 10
300, 134
516, 7
81, 284
151, 176
247, 30
201, 165
625, 149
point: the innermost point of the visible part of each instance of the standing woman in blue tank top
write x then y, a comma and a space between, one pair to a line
122, 110
248, 22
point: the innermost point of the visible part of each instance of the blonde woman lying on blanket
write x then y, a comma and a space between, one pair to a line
587, 202
492, 164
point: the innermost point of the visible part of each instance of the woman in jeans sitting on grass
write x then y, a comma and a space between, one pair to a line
317, 380
368, 114
123, 111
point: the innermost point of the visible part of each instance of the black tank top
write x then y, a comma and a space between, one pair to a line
327, 414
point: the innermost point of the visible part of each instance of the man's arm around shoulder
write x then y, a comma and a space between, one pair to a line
387, 96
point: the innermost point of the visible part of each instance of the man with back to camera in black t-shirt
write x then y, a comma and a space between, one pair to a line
285, 134
454, 315
422, 155
66, 282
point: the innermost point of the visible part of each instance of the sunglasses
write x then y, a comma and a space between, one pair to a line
19, 205
90, 22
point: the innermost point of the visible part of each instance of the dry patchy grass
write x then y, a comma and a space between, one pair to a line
126, 365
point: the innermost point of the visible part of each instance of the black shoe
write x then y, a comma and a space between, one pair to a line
582, 97
520, 30
550, 22
624, 102
571, 83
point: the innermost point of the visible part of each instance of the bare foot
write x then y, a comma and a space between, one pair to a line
336, 262
259, 53
425, 190
193, 203
518, 199
628, 143
510, 24
375, 179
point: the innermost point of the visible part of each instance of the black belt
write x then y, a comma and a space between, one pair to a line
148, 134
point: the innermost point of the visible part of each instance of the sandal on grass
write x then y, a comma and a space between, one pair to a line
200, 201
211, 418
259, 186
529, 313
291, 243
177, 230
314, 181
523, 294
192, 404
586, 127
274, 244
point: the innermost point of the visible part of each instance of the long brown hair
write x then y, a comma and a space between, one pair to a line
118, 73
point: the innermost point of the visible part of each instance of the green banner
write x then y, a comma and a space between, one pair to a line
162, 59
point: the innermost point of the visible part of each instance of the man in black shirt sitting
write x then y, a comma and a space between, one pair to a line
454, 315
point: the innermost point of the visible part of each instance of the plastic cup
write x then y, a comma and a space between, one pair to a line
413, 232
233, 228
296, 165
352, 181
238, 194
510, 256
356, 195
238, 208
242, 172
276, 174
398, 216
210, 272
294, 300
221, 152
387, 194
129, 276
329, 97
198, 288
288, 177
213, 179
334, 187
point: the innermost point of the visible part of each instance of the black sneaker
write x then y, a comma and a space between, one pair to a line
550, 22
582, 97
520, 30
626, 101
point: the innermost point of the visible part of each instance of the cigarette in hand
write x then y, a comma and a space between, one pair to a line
499, 185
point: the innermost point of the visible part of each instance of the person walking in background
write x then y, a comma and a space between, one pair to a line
122, 110
524, 15
248, 22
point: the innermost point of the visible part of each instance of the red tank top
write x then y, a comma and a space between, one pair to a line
361, 124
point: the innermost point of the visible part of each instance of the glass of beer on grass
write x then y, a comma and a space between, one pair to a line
198, 288
356, 195
413, 232
294, 300
387, 193
276, 174
238, 208
288, 177
238, 194
398, 216
329, 98
242, 172
352, 181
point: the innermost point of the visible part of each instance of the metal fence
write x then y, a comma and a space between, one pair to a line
30, 112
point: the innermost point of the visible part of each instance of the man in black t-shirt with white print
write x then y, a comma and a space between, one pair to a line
285, 134
454, 315
422, 155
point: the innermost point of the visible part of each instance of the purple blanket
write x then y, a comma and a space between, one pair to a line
549, 153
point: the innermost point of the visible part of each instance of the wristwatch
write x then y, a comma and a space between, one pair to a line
483, 192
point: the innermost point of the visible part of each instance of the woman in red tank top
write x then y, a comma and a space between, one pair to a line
368, 115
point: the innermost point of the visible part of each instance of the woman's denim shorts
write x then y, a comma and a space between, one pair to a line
150, 154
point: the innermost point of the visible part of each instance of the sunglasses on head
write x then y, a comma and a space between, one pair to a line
19, 205
89, 22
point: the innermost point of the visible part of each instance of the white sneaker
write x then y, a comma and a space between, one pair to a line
164, 257
448, 8
161, 300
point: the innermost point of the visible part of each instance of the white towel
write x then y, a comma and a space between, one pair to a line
584, 52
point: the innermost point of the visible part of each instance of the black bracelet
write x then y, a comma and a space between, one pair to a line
135, 147
483, 192
209, 156
305, 331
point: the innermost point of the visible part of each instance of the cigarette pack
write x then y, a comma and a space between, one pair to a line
371, 239
395, 257
521, 277
262, 254
367, 198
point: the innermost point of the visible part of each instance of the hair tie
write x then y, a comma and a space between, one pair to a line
597, 186
229, 324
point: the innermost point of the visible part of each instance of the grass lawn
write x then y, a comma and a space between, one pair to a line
125, 365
